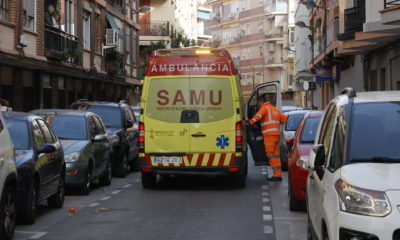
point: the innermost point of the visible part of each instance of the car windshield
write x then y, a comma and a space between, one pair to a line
309, 130
70, 127
293, 121
375, 131
111, 116
18, 130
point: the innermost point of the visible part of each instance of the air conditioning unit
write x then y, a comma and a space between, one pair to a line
111, 37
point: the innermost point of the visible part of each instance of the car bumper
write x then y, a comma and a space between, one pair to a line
366, 226
74, 179
299, 182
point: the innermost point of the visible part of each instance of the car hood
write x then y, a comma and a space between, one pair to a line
374, 176
70, 146
21, 156
305, 149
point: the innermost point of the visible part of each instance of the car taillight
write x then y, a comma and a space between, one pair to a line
239, 137
141, 137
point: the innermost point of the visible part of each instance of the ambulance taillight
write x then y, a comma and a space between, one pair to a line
239, 137
141, 137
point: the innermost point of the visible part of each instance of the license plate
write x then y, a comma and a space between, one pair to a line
168, 160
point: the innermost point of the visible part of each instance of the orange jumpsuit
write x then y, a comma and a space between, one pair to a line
271, 118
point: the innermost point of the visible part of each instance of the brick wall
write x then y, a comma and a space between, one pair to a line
40, 27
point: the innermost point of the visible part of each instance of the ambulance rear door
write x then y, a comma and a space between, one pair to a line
254, 133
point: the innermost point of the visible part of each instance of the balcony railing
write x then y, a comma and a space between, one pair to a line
272, 60
231, 41
391, 3
354, 18
60, 45
117, 5
273, 34
154, 28
230, 17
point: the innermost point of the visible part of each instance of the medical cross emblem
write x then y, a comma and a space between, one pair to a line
222, 142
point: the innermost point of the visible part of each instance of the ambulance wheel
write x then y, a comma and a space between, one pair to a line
149, 180
240, 180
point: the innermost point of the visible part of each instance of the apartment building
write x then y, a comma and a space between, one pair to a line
203, 14
355, 43
90, 52
252, 31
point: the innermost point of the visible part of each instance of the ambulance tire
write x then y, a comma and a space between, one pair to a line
240, 180
122, 166
149, 180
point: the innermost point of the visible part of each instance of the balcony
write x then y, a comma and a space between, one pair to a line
230, 17
273, 61
271, 7
231, 41
274, 33
117, 5
154, 28
354, 18
391, 3
61, 46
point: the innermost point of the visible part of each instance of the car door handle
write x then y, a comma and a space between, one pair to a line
198, 135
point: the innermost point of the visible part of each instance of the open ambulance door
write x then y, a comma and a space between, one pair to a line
254, 134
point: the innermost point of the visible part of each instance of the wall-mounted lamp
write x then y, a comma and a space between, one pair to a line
288, 49
301, 24
143, 9
311, 4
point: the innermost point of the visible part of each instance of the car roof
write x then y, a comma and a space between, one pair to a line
296, 112
314, 114
378, 96
59, 112
19, 115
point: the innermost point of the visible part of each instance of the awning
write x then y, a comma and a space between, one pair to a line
114, 25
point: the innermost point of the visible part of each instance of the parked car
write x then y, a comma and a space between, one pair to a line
8, 184
300, 147
353, 189
123, 130
287, 131
136, 111
86, 144
40, 163
286, 109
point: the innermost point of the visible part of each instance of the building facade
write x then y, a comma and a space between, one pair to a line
87, 50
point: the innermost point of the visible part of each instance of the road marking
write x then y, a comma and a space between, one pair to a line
266, 208
38, 235
265, 194
265, 187
267, 217
268, 230
137, 180
94, 204
290, 218
127, 185
264, 173
116, 192
105, 198
265, 200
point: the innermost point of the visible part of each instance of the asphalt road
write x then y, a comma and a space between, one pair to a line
179, 208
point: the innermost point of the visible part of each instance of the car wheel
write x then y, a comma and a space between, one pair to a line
135, 165
29, 213
107, 178
149, 180
8, 213
240, 180
284, 161
294, 205
85, 189
57, 200
121, 169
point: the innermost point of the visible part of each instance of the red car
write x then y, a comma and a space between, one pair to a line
301, 146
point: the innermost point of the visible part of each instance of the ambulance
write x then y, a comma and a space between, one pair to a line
192, 116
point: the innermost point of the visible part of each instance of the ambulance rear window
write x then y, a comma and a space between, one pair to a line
210, 97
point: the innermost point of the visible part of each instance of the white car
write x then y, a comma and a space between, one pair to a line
353, 189
8, 184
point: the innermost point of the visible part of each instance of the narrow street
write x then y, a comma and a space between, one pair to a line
179, 208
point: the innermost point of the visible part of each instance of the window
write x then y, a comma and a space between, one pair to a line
86, 30
128, 48
373, 85
46, 132
261, 49
69, 17
248, 53
335, 160
291, 36
29, 10
383, 79
37, 135
260, 26
134, 44
5, 10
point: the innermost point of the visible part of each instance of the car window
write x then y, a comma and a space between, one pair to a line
328, 133
335, 161
309, 130
375, 132
18, 130
99, 126
46, 132
70, 127
92, 127
293, 121
37, 135
325, 120
111, 116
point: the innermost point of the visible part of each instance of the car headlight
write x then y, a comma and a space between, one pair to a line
72, 157
362, 201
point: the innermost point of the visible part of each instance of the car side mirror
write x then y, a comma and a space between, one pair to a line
129, 124
319, 162
47, 148
99, 138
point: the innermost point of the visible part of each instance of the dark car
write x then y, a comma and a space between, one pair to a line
40, 163
288, 131
301, 146
136, 111
123, 129
86, 144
